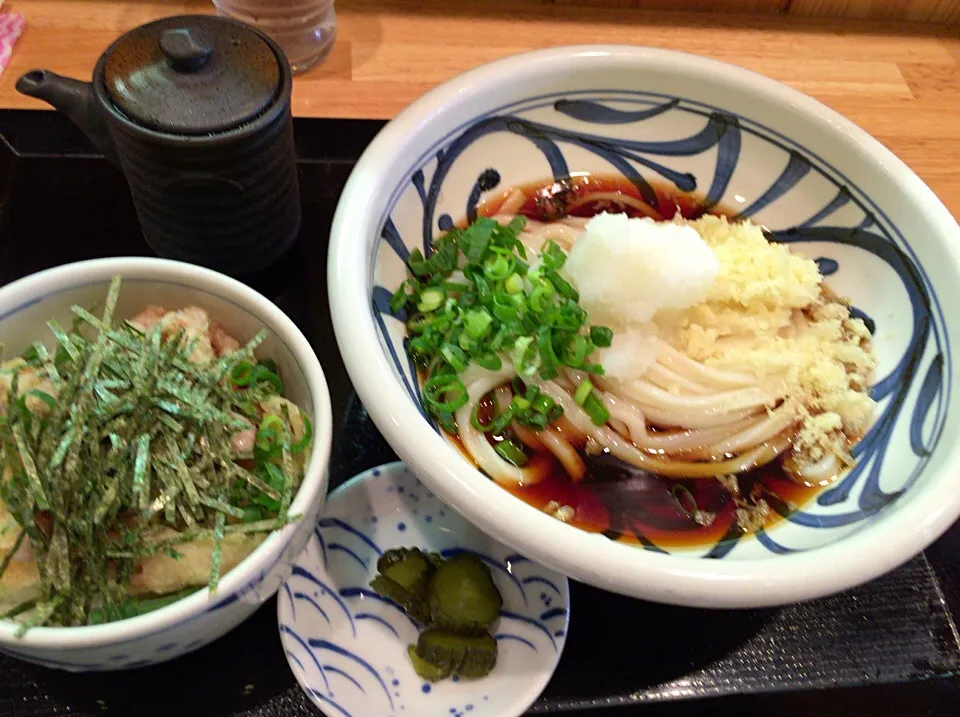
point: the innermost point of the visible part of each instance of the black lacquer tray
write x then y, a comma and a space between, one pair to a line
887, 648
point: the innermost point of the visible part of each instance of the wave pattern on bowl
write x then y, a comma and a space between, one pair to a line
743, 166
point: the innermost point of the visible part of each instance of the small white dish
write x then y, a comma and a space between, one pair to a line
347, 646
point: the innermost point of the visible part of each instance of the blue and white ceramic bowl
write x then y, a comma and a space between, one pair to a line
201, 618
751, 144
347, 646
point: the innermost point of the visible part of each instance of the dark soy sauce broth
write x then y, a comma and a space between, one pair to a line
614, 498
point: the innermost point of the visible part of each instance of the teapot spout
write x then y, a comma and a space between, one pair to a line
75, 99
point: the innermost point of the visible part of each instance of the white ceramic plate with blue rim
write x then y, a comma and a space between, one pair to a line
727, 136
347, 646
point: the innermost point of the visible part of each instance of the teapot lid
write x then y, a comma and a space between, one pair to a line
192, 74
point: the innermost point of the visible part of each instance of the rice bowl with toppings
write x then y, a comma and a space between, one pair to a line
197, 559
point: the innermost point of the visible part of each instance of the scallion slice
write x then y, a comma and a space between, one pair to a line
526, 359
445, 393
431, 299
596, 409
476, 323
514, 284
601, 336
583, 391
454, 356
509, 451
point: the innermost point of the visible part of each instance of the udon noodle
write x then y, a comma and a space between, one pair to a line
692, 409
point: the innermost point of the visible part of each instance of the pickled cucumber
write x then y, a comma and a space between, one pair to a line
462, 594
468, 655
408, 567
455, 599
414, 604
404, 577
426, 670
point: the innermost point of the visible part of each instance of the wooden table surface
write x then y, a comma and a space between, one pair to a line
899, 81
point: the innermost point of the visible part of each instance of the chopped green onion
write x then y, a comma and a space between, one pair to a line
520, 404
596, 409
437, 392
553, 256
542, 296
516, 226
526, 359
537, 421
454, 356
242, 373
601, 336
418, 323
543, 404
583, 390
431, 300
503, 420
445, 419
548, 357
270, 365
263, 375
476, 323
488, 360
509, 451
418, 265
454, 287
267, 441
501, 307
504, 308
301, 445
474, 239
497, 267
562, 285
575, 351
475, 418
405, 292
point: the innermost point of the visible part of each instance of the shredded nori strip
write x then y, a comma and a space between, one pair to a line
134, 440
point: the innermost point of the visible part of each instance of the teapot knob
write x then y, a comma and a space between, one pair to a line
186, 51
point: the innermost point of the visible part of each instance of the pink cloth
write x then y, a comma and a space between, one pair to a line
11, 25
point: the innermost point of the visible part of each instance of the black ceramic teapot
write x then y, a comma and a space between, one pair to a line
195, 110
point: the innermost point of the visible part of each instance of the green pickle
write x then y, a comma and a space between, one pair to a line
408, 567
412, 603
463, 596
427, 670
456, 601
465, 655
404, 576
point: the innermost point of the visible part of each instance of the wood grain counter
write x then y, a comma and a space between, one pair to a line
900, 81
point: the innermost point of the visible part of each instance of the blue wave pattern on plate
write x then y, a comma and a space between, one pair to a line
344, 653
911, 394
